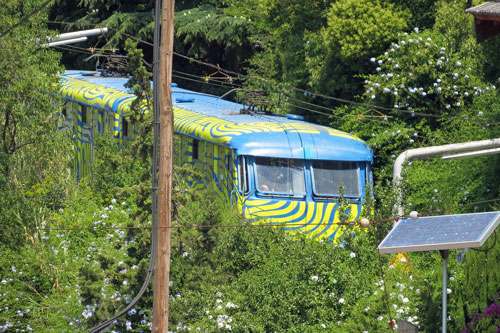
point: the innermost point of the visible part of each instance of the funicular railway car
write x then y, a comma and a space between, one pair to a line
277, 169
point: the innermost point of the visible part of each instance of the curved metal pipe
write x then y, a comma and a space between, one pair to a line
431, 152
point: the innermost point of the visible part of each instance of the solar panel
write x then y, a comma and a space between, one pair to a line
440, 232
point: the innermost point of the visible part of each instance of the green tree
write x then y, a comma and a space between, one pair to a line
33, 155
355, 32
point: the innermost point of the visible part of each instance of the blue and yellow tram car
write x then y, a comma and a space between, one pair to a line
277, 169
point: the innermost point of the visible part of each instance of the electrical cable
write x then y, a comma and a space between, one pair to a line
306, 92
24, 19
491, 247
154, 182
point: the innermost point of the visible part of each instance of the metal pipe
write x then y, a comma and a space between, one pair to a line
77, 34
430, 152
472, 154
67, 41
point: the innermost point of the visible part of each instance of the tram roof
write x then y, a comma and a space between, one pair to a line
211, 118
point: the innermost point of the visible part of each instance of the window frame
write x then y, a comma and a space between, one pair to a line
359, 165
289, 183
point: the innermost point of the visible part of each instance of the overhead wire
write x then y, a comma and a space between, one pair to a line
429, 212
337, 99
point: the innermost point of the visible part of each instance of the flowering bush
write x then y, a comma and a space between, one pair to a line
418, 73
486, 321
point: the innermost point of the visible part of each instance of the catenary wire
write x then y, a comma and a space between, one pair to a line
337, 99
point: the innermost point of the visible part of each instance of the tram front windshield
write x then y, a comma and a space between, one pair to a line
330, 176
280, 175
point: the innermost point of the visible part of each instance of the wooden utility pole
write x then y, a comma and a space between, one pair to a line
162, 259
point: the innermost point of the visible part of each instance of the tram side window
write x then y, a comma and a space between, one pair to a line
210, 161
243, 174
195, 149
199, 160
124, 127
280, 175
84, 114
329, 176
67, 120
231, 168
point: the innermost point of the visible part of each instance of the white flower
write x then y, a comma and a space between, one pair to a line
372, 59
380, 62
341, 300
323, 325
415, 29
459, 63
352, 254
314, 278
230, 305
448, 290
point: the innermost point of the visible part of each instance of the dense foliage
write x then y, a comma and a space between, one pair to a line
398, 74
